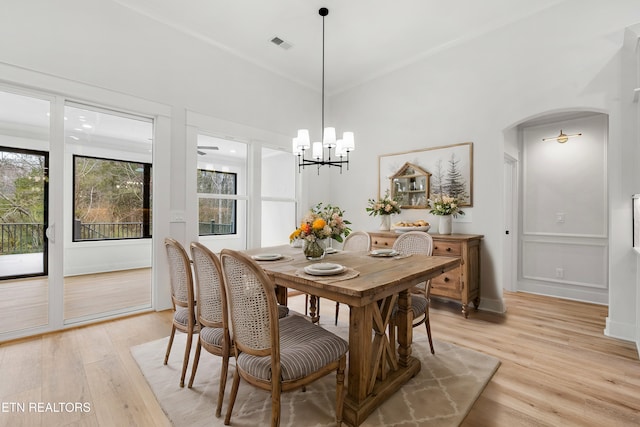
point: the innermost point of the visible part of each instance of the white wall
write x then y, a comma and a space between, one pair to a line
564, 58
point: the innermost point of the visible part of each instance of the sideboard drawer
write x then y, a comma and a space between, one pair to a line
444, 248
447, 284
382, 242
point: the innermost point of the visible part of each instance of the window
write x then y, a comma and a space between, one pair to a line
111, 166
217, 215
222, 189
111, 199
278, 181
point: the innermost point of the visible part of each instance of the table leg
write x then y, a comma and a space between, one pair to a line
374, 375
313, 308
404, 320
282, 295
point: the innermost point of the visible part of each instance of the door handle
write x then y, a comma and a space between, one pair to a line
50, 232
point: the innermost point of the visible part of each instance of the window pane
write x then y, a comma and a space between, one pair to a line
214, 182
278, 174
111, 199
217, 216
216, 154
278, 221
23, 190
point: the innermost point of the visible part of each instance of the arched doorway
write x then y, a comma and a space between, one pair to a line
561, 210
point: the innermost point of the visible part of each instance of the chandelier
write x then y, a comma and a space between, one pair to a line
321, 151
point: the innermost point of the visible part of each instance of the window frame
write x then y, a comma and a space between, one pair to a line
220, 196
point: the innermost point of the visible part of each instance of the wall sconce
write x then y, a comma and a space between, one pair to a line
562, 138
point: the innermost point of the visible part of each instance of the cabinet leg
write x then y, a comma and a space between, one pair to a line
465, 310
476, 303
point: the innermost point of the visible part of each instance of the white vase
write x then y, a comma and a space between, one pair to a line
444, 226
385, 222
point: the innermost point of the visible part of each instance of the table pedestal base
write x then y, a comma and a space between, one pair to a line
355, 413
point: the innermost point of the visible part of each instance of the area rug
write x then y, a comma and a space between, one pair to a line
441, 394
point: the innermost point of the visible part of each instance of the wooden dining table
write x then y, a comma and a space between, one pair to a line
370, 286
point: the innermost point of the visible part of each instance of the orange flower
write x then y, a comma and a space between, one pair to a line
319, 224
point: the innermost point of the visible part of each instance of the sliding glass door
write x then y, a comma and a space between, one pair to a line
97, 262
24, 189
108, 242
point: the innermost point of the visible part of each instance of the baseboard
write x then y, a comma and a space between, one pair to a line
493, 305
623, 331
594, 296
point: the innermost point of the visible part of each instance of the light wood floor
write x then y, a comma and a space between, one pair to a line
557, 367
24, 303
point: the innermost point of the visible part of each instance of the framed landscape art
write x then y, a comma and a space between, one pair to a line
450, 166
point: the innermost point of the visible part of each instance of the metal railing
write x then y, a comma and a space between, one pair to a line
106, 230
27, 238
212, 227
21, 238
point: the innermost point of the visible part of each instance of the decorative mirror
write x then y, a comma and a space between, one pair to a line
410, 186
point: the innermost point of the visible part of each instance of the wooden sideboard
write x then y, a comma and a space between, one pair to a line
460, 284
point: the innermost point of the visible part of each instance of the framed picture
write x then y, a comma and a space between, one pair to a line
450, 166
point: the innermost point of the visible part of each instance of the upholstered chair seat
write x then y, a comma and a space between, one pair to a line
304, 349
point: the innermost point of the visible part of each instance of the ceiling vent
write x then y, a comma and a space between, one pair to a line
279, 42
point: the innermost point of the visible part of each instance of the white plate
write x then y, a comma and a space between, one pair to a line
405, 229
325, 266
324, 269
267, 257
384, 252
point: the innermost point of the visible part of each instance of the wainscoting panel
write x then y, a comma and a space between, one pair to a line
569, 263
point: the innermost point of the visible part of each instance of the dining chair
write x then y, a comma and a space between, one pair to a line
355, 242
272, 354
212, 314
416, 242
182, 298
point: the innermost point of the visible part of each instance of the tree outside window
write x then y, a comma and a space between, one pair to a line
22, 201
112, 199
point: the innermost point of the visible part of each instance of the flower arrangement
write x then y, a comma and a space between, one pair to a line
334, 217
444, 205
322, 222
384, 206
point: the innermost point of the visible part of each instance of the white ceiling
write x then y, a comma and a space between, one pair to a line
364, 38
